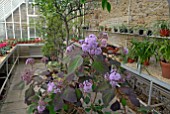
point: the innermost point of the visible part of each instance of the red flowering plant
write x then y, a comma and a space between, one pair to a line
87, 84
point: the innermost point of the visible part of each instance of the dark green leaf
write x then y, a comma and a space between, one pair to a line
69, 95
115, 106
82, 1
19, 86
47, 100
75, 63
87, 109
87, 100
29, 93
94, 87
78, 94
123, 101
65, 107
134, 101
103, 86
108, 7
31, 108
99, 66
99, 101
107, 96
104, 3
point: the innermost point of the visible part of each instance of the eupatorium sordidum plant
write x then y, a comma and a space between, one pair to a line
87, 85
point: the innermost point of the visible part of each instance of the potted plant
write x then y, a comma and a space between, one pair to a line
115, 29
101, 28
123, 28
164, 56
130, 30
162, 27
143, 50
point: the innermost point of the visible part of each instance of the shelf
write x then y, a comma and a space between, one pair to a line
155, 79
130, 34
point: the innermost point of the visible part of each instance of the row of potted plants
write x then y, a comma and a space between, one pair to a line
142, 51
160, 27
6, 45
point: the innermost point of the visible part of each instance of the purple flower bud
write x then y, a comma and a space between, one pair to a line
27, 76
92, 52
125, 51
69, 48
87, 86
30, 61
103, 43
115, 76
41, 106
98, 51
81, 41
40, 109
113, 83
85, 47
51, 86
44, 60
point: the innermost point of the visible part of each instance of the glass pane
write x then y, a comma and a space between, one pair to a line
2, 31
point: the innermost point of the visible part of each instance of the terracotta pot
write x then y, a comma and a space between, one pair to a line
131, 60
165, 69
146, 63
111, 50
164, 32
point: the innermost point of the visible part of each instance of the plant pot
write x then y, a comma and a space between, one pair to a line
109, 29
115, 30
165, 69
149, 33
141, 32
111, 50
164, 32
121, 30
131, 31
146, 63
131, 60
125, 30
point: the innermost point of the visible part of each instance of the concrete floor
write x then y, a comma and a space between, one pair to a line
14, 103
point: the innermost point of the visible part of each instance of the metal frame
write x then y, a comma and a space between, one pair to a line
8, 8
5, 61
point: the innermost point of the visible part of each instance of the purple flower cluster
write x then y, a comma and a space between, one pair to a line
27, 76
103, 43
125, 51
114, 77
53, 88
69, 48
90, 45
30, 61
44, 60
86, 86
41, 106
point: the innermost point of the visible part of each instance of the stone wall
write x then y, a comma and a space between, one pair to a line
133, 12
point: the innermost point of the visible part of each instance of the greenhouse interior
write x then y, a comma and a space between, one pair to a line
84, 56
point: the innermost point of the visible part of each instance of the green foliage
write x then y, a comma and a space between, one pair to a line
107, 96
75, 63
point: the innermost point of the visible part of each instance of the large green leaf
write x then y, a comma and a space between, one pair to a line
99, 66
103, 86
79, 94
69, 95
75, 63
104, 3
31, 108
108, 7
107, 96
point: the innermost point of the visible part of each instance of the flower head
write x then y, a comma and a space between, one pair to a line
103, 43
27, 76
115, 76
87, 86
53, 88
69, 48
30, 61
44, 60
125, 51
41, 106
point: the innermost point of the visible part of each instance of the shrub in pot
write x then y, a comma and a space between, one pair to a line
143, 50
123, 28
131, 30
162, 27
115, 29
101, 28
149, 32
164, 56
